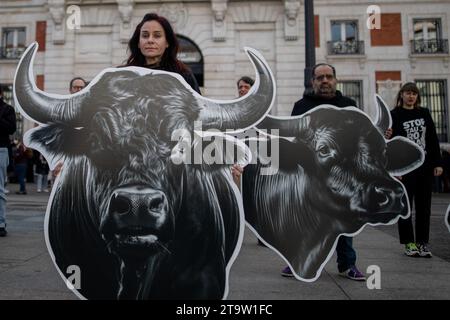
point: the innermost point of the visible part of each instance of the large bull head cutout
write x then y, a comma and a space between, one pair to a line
138, 224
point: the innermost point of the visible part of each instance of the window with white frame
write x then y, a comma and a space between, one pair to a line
344, 38
13, 42
428, 36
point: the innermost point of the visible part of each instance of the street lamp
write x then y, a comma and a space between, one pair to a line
310, 49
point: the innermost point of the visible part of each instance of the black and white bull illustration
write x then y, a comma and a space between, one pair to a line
137, 225
334, 176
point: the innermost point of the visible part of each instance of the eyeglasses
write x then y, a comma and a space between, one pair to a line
324, 76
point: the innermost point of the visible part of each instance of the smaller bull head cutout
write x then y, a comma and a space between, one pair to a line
138, 225
335, 175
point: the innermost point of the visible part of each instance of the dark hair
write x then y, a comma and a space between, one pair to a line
409, 86
246, 79
313, 71
76, 78
1, 90
169, 61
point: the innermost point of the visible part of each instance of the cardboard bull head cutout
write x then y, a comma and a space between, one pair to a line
335, 175
128, 211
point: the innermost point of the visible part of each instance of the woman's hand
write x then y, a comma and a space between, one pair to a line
388, 133
57, 169
236, 171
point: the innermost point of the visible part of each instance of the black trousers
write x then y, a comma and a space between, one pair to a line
418, 185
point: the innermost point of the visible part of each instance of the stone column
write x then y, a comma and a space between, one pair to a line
57, 13
125, 8
219, 25
291, 9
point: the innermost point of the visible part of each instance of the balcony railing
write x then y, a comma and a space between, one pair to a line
345, 47
11, 53
429, 46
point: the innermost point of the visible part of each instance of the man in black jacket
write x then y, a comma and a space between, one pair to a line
7, 127
324, 92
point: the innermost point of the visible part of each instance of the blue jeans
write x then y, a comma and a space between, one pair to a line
4, 160
21, 171
42, 181
346, 255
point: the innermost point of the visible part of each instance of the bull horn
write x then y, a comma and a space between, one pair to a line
35, 103
245, 112
383, 119
287, 126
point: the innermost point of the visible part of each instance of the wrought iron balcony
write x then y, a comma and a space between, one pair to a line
345, 47
429, 46
11, 52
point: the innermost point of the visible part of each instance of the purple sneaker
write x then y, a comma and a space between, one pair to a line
354, 274
286, 272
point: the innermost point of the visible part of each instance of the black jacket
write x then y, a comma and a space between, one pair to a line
7, 123
310, 101
187, 75
418, 126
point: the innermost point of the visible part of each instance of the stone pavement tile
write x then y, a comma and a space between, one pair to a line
11, 294
402, 277
8, 264
37, 274
256, 275
279, 288
406, 264
22, 245
398, 285
398, 294
24, 294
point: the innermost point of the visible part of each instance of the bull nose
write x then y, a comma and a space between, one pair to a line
387, 198
156, 203
120, 204
137, 208
130, 203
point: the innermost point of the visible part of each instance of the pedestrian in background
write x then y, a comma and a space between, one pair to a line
412, 121
77, 84
21, 156
7, 127
42, 171
244, 85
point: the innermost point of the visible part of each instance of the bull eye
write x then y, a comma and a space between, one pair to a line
324, 151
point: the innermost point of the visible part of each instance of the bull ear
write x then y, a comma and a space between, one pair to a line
54, 141
282, 154
403, 156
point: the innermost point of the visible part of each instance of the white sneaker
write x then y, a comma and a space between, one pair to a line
424, 251
39, 190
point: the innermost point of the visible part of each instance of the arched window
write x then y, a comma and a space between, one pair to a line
191, 55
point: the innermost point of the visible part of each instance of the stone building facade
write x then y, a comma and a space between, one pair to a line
405, 40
